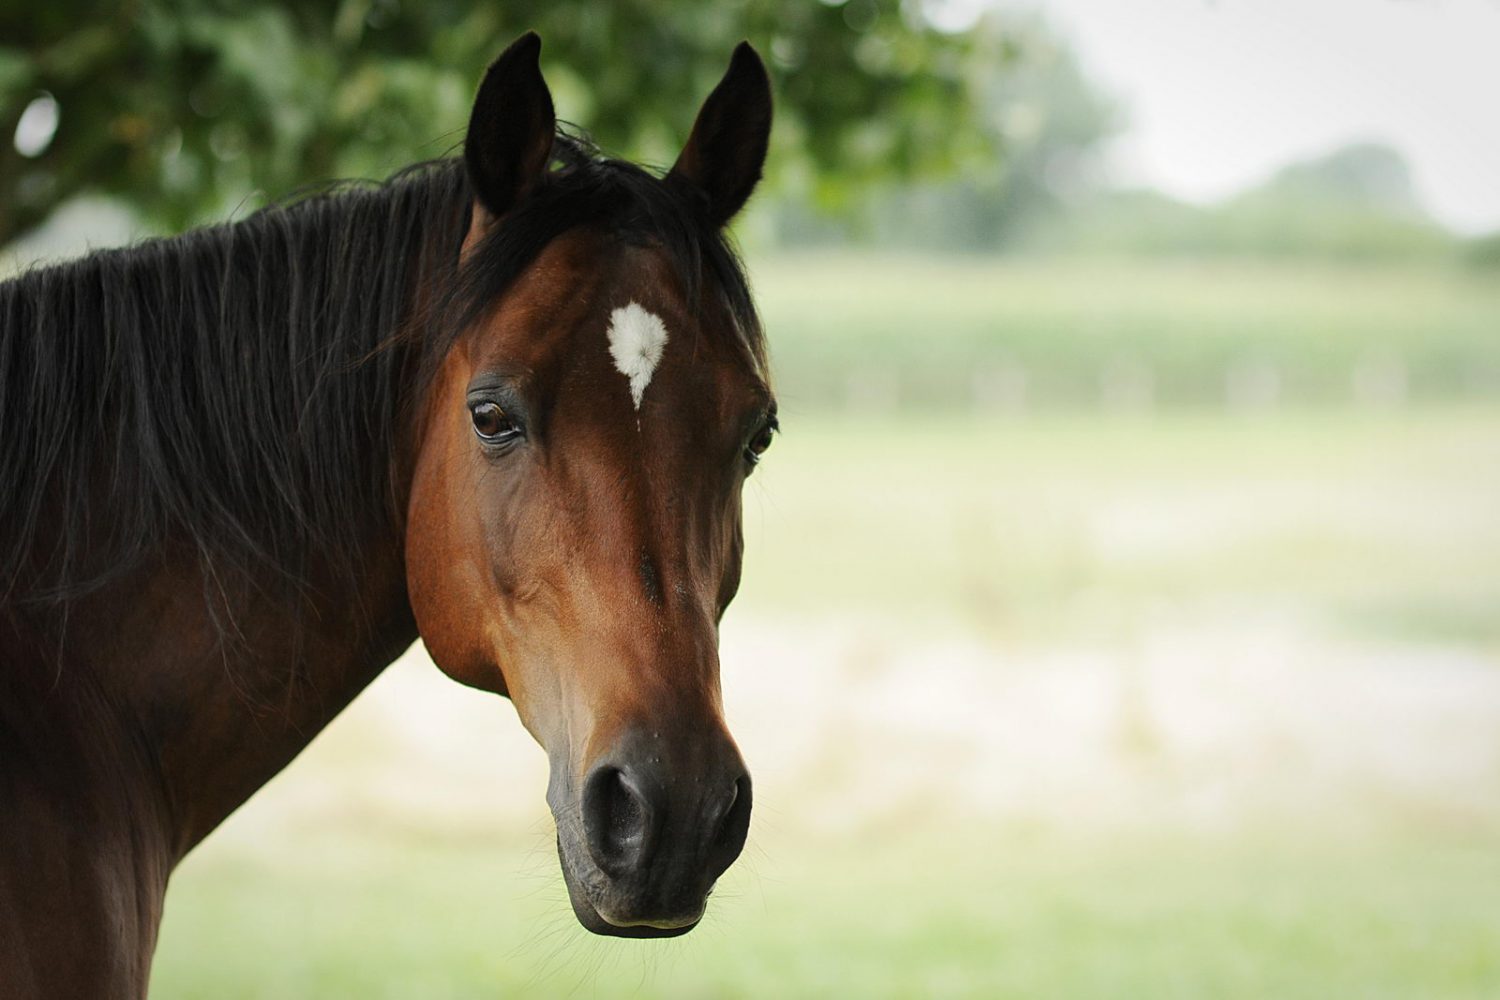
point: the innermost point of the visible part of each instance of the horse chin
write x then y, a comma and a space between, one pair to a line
595, 922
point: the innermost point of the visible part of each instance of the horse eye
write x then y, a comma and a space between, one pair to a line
491, 423
758, 444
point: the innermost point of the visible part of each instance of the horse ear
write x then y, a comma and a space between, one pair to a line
727, 149
510, 128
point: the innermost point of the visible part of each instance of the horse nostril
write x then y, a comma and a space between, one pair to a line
729, 838
616, 821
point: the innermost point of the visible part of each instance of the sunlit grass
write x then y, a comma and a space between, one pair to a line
933, 913
1382, 521
933, 331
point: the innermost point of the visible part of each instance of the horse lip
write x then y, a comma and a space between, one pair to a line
679, 924
596, 921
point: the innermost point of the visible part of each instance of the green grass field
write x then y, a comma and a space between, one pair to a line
932, 326
1181, 702
1382, 522
942, 914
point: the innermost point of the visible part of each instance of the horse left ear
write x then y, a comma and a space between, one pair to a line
727, 149
511, 127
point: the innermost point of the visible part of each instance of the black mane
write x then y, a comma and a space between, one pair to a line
239, 389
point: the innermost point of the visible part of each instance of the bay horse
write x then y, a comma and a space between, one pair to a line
503, 402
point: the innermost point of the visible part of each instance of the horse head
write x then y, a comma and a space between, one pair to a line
574, 526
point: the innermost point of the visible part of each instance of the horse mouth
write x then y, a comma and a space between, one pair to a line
596, 923
595, 920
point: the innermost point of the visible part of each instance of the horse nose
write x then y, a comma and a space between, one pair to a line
731, 826
636, 808
620, 820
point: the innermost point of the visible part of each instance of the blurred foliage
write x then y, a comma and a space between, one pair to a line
1366, 175
1263, 223
183, 108
1483, 252
1033, 104
1356, 203
1043, 189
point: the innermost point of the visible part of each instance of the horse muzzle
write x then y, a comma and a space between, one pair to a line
648, 829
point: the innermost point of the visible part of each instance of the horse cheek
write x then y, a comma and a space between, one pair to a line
446, 582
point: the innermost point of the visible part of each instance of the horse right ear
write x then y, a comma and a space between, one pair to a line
724, 154
511, 127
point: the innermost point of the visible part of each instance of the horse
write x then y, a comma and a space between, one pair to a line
504, 402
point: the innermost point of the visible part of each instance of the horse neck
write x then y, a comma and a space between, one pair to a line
145, 730
216, 680
222, 693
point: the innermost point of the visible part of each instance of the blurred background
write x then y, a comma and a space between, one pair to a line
1121, 612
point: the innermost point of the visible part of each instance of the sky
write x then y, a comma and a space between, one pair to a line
1218, 94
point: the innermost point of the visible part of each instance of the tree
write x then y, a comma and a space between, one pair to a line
184, 108
1038, 125
1354, 203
